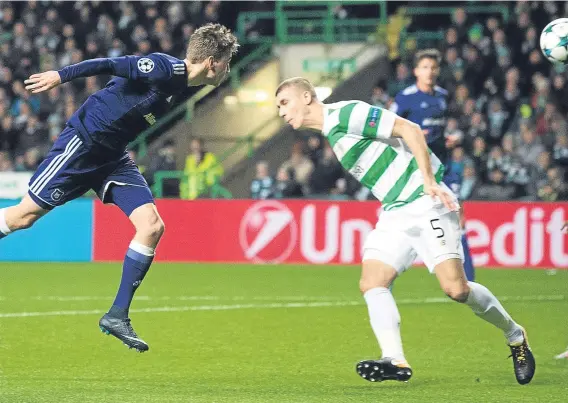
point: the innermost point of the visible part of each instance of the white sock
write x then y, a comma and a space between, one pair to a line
143, 249
385, 321
3, 226
485, 305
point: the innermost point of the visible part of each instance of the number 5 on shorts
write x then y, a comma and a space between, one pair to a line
441, 230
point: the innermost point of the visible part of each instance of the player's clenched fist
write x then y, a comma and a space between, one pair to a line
43, 81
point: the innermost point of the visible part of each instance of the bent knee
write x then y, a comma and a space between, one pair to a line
152, 227
156, 227
376, 274
458, 292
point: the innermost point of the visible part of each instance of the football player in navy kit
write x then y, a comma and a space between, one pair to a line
90, 152
426, 104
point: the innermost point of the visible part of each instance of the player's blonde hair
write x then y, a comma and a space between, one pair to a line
298, 82
211, 40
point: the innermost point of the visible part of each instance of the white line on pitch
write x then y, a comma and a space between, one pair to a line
403, 301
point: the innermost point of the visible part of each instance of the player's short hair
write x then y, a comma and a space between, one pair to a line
211, 40
433, 54
298, 82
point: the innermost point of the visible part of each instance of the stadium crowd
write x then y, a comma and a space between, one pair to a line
507, 106
40, 36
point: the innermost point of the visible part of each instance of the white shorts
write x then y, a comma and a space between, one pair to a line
423, 228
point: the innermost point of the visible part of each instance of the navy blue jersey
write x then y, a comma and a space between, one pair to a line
429, 112
139, 95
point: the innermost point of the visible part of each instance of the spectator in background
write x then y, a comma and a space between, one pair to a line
545, 118
560, 92
286, 186
459, 19
478, 127
379, 97
326, 173
474, 71
452, 70
516, 172
495, 188
556, 178
452, 39
539, 171
262, 185
201, 169
315, 148
469, 182
530, 43
6, 164
456, 106
452, 133
29, 161
403, 79
497, 118
8, 134
165, 160
560, 150
495, 159
457, 161
546, 192
33, 135
21, 119
479, 156
530, 148
301, 164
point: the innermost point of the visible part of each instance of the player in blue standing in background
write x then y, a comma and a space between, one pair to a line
426, 104
90, 153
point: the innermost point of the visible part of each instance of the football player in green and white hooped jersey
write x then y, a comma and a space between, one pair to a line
389, 155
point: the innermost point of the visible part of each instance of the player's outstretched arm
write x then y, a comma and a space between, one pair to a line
412, 135
153, 67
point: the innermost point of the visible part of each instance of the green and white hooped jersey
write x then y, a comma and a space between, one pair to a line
360, 135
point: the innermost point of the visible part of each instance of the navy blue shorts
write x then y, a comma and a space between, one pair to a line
71, 169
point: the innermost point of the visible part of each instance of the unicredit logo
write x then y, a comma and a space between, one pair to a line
268, 232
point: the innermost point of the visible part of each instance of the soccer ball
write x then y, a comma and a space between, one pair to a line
554, 41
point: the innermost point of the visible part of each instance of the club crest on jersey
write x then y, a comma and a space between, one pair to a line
374, 117
145, 65
424, 105
57, 194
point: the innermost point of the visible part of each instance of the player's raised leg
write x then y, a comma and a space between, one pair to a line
485, 305
126, 188
139, 256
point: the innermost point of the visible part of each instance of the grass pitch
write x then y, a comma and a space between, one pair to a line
265, 334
